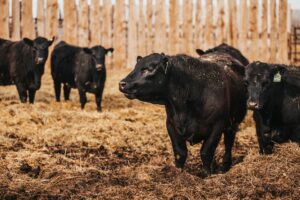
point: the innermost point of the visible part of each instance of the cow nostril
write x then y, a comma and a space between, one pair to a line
122, 84
252, 104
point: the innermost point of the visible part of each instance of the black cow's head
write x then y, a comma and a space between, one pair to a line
40, 48
147, 81
259, 79
98, 54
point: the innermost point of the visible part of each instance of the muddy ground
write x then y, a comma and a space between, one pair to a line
55, 150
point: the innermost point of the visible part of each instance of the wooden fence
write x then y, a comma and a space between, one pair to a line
259, 29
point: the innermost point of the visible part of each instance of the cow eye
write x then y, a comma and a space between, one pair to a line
146, 70
246, 83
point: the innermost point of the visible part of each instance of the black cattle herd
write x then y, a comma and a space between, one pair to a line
204, 96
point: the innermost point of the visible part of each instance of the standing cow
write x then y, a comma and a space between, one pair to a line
274, 95
202, 100
82, 68
22, 63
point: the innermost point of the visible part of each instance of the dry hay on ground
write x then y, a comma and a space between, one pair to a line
56, 151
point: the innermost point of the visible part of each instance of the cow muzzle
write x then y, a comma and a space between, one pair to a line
253, 105
39, 60
99, 67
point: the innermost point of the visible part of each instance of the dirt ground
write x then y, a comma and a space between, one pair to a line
55, 150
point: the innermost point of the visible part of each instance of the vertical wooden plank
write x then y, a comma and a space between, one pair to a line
4, 29
142, 30
106, 30
132, 34
273, 33
119, 38
221, 32
41, 19
27, 20
70, 22
174, 40
208, 32
243, 33
253, 29
95, 23
83, 24
52, 19
264, 49
188, 27
283, 37
150, 31
232, 28
16, 23
199, 30
160, 36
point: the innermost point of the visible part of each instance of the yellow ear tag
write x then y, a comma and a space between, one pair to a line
109, 54
277, 78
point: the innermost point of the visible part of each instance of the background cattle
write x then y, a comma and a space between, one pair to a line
274, 95
82, 68
22, 63
202, 100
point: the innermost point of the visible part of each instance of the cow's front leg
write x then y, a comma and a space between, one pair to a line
22, 92
263, 133
31, 95
98, 99
210, 144
82, 97
178, 144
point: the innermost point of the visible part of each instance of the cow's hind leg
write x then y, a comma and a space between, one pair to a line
57, 88
83, 99
31, 96
209, 146
229, 137
67, 90
22, 92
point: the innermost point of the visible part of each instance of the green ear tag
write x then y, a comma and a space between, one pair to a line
109, 53
277, 78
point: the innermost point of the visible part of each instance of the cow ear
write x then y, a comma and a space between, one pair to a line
28, 41
51, 41
277, 72
138, 58
200, 52
87, 50
109, 50
165, 60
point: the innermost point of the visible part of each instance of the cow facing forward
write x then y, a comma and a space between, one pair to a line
274, 95
81, 68
202, 100
22, 63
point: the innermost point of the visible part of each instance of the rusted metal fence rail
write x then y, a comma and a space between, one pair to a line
258, 28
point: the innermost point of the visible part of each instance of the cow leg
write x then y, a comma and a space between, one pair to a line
229, 137
178, 144
98, 98
265, 144
57, 88
209, 146
31, 96
83, 99
22, 92
67, 90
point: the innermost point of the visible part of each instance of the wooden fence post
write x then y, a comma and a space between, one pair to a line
232, 23
243, 37
264, 49
253, 29
221, 32
83, 24
142, 48
52, 19
283, 37
209, 29
106, 30
160, 36
41, 18
16, 23
150, 37
27, 20
174, 40
119, 38
4, 30
199, 42
95, 31
273, 33
132, 34
70, 22
187, 28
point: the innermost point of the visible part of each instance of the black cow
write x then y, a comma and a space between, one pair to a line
202, 100
225, 48
274, 95
22, 63
82, 68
